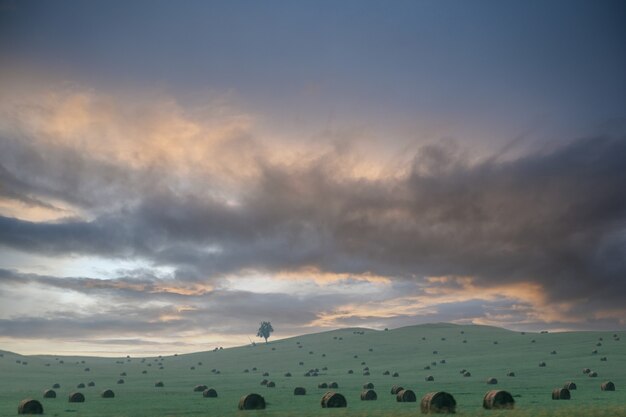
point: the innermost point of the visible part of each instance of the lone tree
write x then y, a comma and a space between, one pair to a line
265, 330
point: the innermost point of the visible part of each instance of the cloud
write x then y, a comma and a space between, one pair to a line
214, 200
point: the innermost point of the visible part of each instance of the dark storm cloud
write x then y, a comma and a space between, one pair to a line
555, 218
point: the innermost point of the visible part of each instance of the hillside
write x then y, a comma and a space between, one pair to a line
487, 352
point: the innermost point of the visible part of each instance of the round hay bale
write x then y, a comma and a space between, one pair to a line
333, 400
368, 395
199, 388
91, 384
561, 394
593, 374
607, 386
366, 373
367, 368
120, 381
396, 389
271, 384
252, 402
438, 402
56, 386
462, 371
406, 396
266, 374
288, 374
492, 381
76, 397
427, 367
542, 364
322, 385
497, 399
81, 385
386, 373
144, 372
429, 378
442, 361
264, 382
570, 385
369, 385
209, 393
511, 373
123, 374
467, 374
586, 370
107, 393
49, 393
333, 385
29, 406
245, 371
299, 391
350, 371
159, 384
603, 359
395, 375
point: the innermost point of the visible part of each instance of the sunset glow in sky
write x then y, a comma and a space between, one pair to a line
172, 173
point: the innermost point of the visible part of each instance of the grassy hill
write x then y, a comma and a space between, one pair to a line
487, 352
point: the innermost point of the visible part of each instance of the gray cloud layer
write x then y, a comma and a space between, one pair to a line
557, 218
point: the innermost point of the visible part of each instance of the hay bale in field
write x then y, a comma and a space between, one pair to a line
594, 352
435, 352
386, 373
429, 378
561, 394
245, 371
29, 406
264, 382
56, 386
598, 344
81, 385
438, 402
366, 373
511, 373
395, 389
593, 374
467, 374
350, 371
299, 391
497, 399
603, 359
427, 367
368, 395
107, 393
209, 393
492, 381
120, 381
301, 363
369, 385
406, 396
266, 374
123, 374
76, 397
442, 361
252, 402
553, 352
159, 384
91, 384
607, 386
322, 385
570, 385
333, 385
333, 400
199, 388
254, 369
366, 368
144, 372
87, 369
49, 393
433, 363
271, 384
586, 370
542, 364
395, 375
288, 374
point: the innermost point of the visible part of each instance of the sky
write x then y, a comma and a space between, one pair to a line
173, 173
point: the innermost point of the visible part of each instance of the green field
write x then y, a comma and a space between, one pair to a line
406, 351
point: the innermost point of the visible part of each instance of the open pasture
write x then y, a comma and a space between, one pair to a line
413, 354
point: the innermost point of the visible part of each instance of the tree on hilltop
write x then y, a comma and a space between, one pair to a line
265, 330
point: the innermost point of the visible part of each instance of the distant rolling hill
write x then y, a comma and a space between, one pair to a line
446, 349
